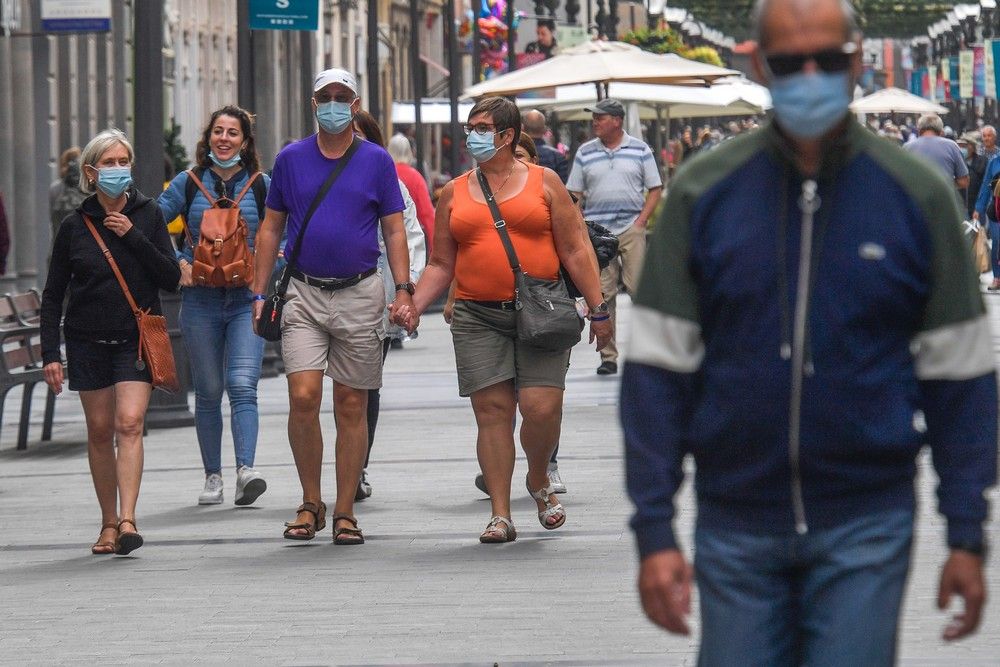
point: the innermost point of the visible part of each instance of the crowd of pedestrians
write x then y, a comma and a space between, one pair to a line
806, 293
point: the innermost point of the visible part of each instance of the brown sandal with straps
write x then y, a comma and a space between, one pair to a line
344, 536
311, 527
128, 542
105, 548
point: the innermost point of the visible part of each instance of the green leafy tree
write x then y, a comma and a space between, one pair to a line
173, 149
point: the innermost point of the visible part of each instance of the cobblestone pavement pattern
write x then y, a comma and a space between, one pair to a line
219, 585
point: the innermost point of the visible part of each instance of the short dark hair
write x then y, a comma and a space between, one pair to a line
248, 155
528, 144
504, 113
547, 23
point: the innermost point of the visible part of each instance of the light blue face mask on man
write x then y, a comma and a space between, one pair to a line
334, 117
481, 145
113, 181
810, 105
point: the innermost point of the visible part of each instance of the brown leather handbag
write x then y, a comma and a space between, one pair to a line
155, 350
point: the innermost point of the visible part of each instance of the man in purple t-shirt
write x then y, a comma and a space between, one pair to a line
332, 322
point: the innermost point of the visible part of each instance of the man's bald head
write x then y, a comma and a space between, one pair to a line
533, 123
763, 10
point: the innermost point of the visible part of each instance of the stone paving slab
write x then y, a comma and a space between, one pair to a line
218, 585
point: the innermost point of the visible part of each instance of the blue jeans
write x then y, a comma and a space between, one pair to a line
224, 353
828, 598
994, 231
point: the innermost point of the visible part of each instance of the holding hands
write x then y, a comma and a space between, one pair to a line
404, 314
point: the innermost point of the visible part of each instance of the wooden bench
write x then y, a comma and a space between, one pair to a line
21, 359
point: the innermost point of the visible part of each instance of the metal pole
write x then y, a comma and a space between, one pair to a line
306, 40
25, 215
374, 107
417, 80
244, 58
453, 83
511, 37
40, 50
165, 410
477, 66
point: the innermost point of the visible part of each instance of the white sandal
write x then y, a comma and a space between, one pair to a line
550, 509
498, 524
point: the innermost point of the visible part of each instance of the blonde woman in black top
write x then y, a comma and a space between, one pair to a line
102, 338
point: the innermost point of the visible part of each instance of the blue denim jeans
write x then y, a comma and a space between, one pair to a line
224, 353
828, 598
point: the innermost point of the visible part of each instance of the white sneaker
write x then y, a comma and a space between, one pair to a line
212, 495
555, 480
249, 485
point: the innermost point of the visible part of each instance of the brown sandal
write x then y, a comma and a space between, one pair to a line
128, 542
105, 548
346, 536
318, 523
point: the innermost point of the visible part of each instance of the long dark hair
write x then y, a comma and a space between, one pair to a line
248, 155
369, 127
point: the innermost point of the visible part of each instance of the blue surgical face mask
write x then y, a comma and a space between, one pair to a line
334, 117
224, 164
113, 181
481, 145
810, 105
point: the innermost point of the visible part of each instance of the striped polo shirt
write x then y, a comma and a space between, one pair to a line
614, 181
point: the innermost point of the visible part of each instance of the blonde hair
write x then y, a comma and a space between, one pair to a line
97, 147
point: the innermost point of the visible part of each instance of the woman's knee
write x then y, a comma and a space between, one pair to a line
128, 425
540, 409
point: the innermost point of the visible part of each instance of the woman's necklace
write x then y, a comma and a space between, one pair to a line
509, 173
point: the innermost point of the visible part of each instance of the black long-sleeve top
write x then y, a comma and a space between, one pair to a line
97, 308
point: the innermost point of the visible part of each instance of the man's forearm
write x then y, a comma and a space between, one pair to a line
265, 253
652, 199
396, 249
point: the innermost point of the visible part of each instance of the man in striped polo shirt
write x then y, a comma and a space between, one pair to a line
619, 184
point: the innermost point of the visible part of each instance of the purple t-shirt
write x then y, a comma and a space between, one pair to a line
342, 236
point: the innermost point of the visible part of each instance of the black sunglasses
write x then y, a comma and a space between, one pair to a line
829, 60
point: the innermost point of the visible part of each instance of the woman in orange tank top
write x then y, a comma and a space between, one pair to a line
546, 230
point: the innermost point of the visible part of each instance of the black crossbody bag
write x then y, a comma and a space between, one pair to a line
546, 315
269, 324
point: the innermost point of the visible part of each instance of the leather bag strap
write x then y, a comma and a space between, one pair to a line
114, 266
498, 222
246, 187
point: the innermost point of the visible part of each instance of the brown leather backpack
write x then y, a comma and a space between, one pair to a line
222, 256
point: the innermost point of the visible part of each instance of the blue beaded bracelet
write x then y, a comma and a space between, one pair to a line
260, 297
599, 318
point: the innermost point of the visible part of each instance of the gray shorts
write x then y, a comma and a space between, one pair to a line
487, 352
338, 332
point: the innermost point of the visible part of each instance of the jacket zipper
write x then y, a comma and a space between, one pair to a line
809, 203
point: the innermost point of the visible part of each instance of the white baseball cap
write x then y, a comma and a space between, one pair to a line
335, 75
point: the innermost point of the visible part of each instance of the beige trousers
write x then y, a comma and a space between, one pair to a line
627, 266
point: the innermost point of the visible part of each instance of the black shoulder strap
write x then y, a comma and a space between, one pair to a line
260, 196
498, 221
317, 200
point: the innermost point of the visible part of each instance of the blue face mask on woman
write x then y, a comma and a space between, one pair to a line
810, 105
224, 164
113, 181
334, 117
481, 145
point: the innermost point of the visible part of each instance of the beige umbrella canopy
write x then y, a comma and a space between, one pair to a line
895, 100
601, 63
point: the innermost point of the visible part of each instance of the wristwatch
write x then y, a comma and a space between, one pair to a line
601, 309
409, 288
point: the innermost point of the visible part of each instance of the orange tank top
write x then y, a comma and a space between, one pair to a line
482, 272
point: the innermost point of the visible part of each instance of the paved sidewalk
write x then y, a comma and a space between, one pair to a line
218, 584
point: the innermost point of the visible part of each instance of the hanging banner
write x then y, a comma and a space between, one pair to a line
944, 81
996, 59
917, 81
889, 62
955, 79
990, 89
966, 62
926, 82
978, 72
932, 79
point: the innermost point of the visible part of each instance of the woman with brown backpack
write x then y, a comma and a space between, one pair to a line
222, 202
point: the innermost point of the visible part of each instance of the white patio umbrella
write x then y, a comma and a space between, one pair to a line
725, 98
895, 100
601, 63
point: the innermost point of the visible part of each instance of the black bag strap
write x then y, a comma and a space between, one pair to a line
286, 275
498, 222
